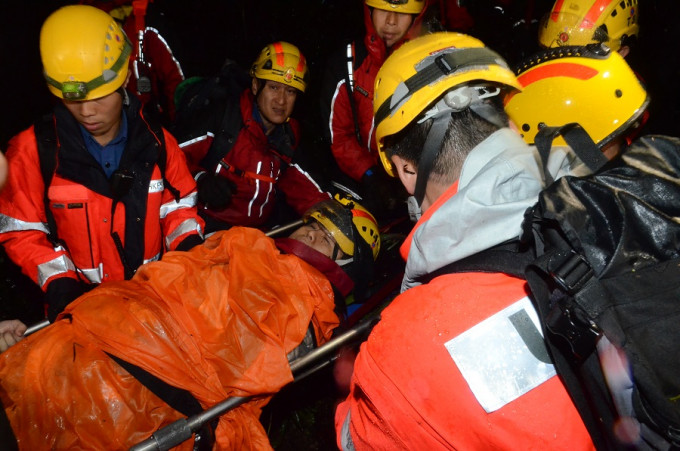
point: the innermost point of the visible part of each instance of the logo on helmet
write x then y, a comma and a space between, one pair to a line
289, 75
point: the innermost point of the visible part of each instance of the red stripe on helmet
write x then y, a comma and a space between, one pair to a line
571, 70
280, 57
362, 214
556, 10
594, 13
301, 64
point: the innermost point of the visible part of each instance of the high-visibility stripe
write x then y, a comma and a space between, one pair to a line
189, 225
172, 206
152, 259
59, 265
571, 70
94, 275
10, 224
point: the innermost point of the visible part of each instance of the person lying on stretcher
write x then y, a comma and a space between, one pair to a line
217, 321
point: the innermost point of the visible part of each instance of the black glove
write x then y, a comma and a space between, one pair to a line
61, 292
189, 242
382, 195
215, 191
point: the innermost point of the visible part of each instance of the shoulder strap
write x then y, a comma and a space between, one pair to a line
46, 138
225, 136
162, 162
579, 141
511, 258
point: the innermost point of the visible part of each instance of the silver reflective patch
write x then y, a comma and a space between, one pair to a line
156, 186
504, 356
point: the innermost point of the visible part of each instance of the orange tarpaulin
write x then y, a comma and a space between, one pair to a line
218, 321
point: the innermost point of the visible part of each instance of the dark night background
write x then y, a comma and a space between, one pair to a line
203, 33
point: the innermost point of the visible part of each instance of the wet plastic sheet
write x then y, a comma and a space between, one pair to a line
218, 321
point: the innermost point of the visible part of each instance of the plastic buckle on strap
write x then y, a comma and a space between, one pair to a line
571, 271
580, 336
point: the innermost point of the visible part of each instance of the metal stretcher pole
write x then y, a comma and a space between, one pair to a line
182, 429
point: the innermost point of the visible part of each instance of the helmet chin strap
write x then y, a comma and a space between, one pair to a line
430, 151
454, 101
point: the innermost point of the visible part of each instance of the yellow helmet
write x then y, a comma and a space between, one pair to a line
592, 86
343, 218
581, 22
399, 6
421, 71
84, 53
282, 62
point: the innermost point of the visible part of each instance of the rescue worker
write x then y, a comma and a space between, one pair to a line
95, 189
593, 86
446, 366
582, 22
222, 320
347, 101
155, 72
242, 144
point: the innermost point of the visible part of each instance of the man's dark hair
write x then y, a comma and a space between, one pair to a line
466, 130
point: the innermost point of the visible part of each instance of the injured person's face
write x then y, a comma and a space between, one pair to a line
318, 238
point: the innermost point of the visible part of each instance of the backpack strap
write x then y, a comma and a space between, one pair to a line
225, 137
579, 141
511, 258
48, 145
157, 130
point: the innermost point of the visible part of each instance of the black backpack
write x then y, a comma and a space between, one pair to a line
601, 255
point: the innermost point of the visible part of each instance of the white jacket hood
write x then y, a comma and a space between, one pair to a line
500, 179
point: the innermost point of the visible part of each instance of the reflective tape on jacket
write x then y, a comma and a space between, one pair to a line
188, 201
10, 224
58, 266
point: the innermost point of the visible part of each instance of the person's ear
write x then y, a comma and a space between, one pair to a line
624, 50
254, 86
406, 171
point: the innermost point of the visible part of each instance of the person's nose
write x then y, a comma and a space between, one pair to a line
391, 18
280, 97
87, 108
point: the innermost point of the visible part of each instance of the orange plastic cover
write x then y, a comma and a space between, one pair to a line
218, 321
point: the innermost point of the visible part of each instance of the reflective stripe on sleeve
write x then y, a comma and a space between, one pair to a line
60, 265
345, 436
10, 224
185, 202
94, 275
195, 140
189, 225
155, 258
